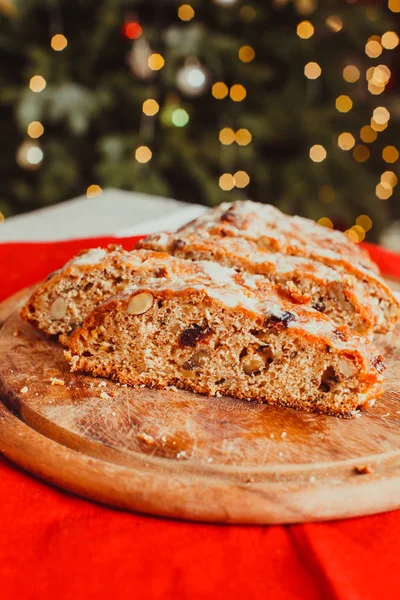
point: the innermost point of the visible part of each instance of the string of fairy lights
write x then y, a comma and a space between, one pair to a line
194, 79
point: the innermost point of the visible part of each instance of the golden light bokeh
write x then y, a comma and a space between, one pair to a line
377, 127
325, 222
373, 49
227, 136
305, 30
383, 191
365, 222
238, 92
243, 137
390, 154
37, 83
326, 194
381, 115
351, 74
317, 153
219, 90
242, 179
344, 103
394, 5
305, 7
247, 13
376, 89
226, 182
143, 154
334, 23
35, 129
93, 190
312, 70
59, 42
346, 141
2, 218
352, 235
390, 40
381, 74
389, 178
155, 62
367, 134
150, 107
359, 231
185, 12
246, 54
361, 153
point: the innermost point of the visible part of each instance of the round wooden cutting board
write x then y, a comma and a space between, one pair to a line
182, 455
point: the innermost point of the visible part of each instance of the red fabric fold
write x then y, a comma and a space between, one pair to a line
54, 545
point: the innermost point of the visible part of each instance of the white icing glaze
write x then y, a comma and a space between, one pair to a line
91, 257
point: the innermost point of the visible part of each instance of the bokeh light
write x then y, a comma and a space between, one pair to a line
143, 154
247, 13
346, 141
186, 12
344, 103
390, 178
35, 129
243, 137
226, 182
317, 153
390, 154
93, 190
34, 155
351, 74
390, 40
359, 231
373, 49
132, 30
383, 191
361, 153
238, 92
59, 42
367, 134
325, 222
219, 90
155, 62
378, 127
246, 54
364, 221
180, 117
381, 115
226, 136
305, 30
394, 5
334, 23
312, 70
242, 179
150, 107
37, 83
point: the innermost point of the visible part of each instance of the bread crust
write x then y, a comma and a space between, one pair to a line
218, 316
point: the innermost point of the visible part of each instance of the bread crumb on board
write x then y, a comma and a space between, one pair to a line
24, 390
56, 381
363, 470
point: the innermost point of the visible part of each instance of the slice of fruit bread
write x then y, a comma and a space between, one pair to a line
198, 328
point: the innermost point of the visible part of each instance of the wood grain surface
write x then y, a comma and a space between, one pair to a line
182, 455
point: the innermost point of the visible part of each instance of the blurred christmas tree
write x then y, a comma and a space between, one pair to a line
287, 102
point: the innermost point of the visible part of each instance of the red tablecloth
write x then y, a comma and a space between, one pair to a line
57, 546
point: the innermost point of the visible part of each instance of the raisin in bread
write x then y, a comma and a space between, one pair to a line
60, 304
204, 331
357, 297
